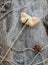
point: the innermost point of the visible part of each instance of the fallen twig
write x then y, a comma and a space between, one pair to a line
9, 61
5, 14
37, 55
22, 50
33, 59
44, 47
13, 42
41, 61
42, 58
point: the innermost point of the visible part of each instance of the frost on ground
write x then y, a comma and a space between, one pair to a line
10, 27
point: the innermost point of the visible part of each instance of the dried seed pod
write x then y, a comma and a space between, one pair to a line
37, 48
31, 20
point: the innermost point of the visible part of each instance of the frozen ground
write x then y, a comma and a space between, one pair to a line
10, 27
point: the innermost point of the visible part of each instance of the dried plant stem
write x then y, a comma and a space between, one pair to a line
12, 44
44, 47
41, 61
33, 59
37, 55
12, 11
42, 58
22, 50
12, 29
9, 61
5, 14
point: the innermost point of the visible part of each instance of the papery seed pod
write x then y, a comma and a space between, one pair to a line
31, 20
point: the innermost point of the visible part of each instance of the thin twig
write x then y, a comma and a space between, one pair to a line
42, 57
31, 50
5, 14
44, 47
9, 60
37, 55
13, 43
12, 29
33, 59
41, 61
22, 50
16, 11
13, 10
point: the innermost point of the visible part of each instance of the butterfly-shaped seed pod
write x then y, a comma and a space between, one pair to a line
31, 20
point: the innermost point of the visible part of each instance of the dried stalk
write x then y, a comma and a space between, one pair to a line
22, 50
41, 61
5, 14
37, 55
13, 43
9, 61
33, 59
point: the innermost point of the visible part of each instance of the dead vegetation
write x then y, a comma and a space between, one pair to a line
3, 31
3, 42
